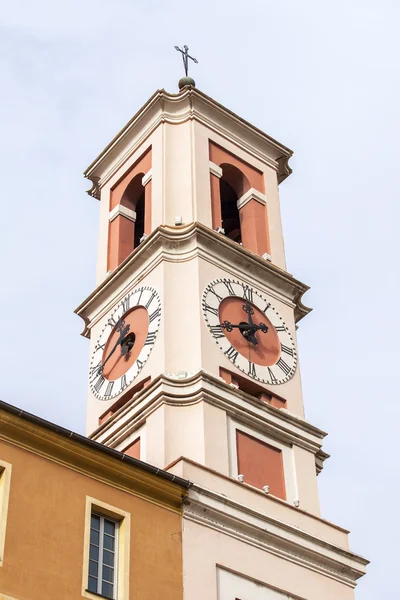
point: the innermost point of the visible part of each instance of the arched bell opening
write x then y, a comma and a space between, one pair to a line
233, 184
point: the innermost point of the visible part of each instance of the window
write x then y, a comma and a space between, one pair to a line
261, 464
103, 556
106, 551
5, 478
264, 460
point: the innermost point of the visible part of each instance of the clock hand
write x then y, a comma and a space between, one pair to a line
127, 343
229, 326
247, 330
123, 331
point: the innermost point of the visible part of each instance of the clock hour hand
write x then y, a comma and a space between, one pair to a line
123, 331
247, 330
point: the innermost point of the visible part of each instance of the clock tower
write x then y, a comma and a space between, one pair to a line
194, 358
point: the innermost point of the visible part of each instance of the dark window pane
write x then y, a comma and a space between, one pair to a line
92, 584
108, 542
94, 537
93, 568
94, 552
108, 574
95, 522
107, 589
109, 527
108, 558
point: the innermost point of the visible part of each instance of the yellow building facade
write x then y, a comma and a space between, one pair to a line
57, 491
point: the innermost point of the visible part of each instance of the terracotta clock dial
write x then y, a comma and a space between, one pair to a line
249, 331
125, 343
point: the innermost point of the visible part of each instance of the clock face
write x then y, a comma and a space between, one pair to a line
125, 343
249, 331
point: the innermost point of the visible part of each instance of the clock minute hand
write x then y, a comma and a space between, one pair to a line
123, 330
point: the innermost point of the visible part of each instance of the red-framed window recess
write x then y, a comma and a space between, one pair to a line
238, 202
130, 211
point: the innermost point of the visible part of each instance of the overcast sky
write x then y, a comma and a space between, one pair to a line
321, 77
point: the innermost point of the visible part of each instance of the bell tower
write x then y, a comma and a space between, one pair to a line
194, 358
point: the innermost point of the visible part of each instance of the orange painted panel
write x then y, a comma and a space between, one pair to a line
120, 241
260, 464
133, 449
253, 226
220, 156
143, 165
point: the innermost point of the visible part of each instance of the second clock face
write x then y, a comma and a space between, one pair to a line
249, 331
125, 343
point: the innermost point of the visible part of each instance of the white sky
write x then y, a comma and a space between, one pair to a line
321, 77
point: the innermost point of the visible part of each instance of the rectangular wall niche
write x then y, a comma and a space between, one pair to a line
261, 464
235, 587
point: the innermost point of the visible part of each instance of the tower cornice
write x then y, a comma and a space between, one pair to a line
189, 104
183, 243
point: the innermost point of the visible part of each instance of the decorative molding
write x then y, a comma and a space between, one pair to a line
95, 189
147, 177
122, 211
189, 104
195, 239
283, 168
187, 389
216, 511
251, 194
215, 170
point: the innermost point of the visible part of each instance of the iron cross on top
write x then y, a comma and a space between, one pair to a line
185, 57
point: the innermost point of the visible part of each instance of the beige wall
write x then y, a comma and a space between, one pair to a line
45, 531
249, 561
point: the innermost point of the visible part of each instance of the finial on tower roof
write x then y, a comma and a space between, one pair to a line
185, 57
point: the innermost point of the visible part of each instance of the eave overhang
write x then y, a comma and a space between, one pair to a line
91, 458
189, 104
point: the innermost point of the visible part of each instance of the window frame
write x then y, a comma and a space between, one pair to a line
100, 561
122, 547
5, 483
288, 459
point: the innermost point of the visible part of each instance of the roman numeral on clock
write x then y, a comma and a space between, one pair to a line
210, 309
139, 364
272, 377
140, 297
247, 293
216, 330
111, 321
96, 369
219, 298
286, 350
154, 314
123, 382
97, 386
252, 369
150, 300
282, 365
109, 388
99, 347
280, 328
126, 303
232, 354
151, 338
229, 287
